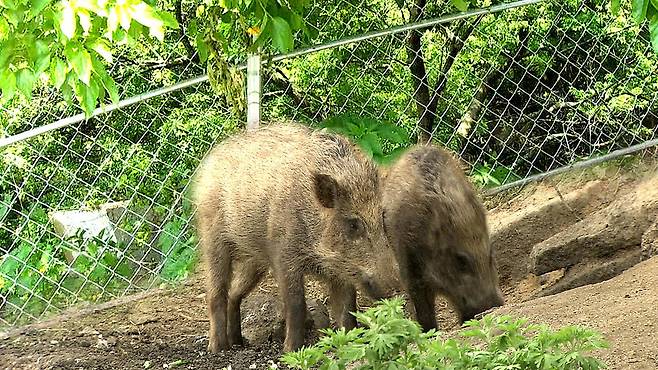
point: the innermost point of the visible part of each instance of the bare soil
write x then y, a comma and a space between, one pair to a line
167, 328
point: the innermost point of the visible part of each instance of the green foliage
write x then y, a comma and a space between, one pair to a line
642, 10
65, 44
179, 245
226, 30
486, 177
388, 340
381, 140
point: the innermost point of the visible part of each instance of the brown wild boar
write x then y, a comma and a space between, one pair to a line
298, 202
437, 228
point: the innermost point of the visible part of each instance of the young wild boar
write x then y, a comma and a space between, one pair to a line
437, 228
297, 202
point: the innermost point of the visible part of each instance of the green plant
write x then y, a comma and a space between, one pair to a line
381, 140
388, 340
178, 245
68, 43
485, 176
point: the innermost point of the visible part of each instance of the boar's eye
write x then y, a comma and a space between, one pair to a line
355, 227
464, 263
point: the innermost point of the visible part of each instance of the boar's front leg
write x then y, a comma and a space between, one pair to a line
343, 301
291, 286
422, 297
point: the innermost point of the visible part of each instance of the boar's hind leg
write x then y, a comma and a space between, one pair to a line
291, 287
343, 301
219, 266
244, 282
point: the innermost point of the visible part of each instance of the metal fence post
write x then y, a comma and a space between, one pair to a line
253, 91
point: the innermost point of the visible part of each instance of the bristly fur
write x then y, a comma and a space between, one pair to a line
437, 226
284, 197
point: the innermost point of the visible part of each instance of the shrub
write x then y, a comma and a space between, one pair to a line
388, 340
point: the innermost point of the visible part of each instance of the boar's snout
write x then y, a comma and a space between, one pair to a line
470, 311
372, 287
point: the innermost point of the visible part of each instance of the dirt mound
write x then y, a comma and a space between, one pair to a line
624, 309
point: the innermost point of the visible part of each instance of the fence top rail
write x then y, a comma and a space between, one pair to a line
64, 122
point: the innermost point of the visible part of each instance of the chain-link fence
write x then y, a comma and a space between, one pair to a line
95, 209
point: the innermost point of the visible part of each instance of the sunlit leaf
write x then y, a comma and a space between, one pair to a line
145, 15
80, 60
67, 23
58, 72
101, 47
85, 20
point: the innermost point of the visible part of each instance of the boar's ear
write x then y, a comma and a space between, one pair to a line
326, 189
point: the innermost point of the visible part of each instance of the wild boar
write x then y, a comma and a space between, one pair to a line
294, 201
438, 231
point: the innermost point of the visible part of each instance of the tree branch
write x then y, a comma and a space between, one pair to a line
191, 52
457, 45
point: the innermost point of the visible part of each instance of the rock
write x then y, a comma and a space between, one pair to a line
528, 226
592, 273
616, 227
649, 244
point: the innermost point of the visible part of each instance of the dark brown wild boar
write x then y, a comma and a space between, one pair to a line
297, 202
437, 227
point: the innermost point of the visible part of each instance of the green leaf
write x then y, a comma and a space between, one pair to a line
15, 16
7, 85
373, 143
461, 5
67, 22
80, 60
111, 87
87, 96
4, 29
40, 54
67, 90
639, 11
365, 145
202, 47
37, 6
392, 133
102, 47
296, 21
58, 73
85, 20
653, 31
41, 63
168, 20
25, 81
146, 16
7, 4
281, 35
614, 6
112, 20
7, 52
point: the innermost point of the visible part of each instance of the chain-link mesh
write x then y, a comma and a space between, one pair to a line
98, 209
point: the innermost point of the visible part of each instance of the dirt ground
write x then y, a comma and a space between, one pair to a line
167, 328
